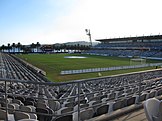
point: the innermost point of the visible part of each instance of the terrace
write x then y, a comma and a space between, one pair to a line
52, 101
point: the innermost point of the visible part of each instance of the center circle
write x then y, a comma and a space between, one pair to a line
75, 57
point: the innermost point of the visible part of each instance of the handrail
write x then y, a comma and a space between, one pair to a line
58, 84
77, 81
142, 78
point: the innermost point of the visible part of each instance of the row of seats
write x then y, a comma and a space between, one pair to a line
143, 49
125, 52
151, 45
96, 96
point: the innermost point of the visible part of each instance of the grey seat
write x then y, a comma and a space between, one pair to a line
119, 104
21, 115
28, 109
22, 99
12, 107
151, 94
143, 97
102, 110
17, 101
44, 114
131, 101
63, 118
41, 105
81, 106
159, 92
42, 117
28, 120
64, 110
68, 104
84, 114
2, 114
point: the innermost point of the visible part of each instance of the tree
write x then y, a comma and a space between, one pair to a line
32, 46
3, 48
13, 47
57, 47
9, 47
82, 47
25, 49
68, 47
64, 47
37, 45
19, 46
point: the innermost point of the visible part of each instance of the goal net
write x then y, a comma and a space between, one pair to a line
137, 61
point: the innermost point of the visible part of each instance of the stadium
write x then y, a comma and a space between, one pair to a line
29, 93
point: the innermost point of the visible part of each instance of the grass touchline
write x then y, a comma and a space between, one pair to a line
53, 64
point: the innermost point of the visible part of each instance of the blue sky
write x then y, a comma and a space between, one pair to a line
53, 21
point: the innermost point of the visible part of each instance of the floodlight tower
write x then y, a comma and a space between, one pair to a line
89, 34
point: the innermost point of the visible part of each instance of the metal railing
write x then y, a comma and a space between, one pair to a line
95, 86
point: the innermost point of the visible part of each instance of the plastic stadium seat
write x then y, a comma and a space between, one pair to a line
54, 105
22, 99
111, 95
50, 111
29, 103
64, 110
140, 98
2, 114
25, 108
63, 118
103, 96
28, 109
151, 94
131, 101
159, 92
21, 115
153, 109
84, 114
17, 101
68, 104
28, 120
81, 106
92, 103
41, 105
13, 107
102, 110
10, 96
42, 117
93, 98
119, 104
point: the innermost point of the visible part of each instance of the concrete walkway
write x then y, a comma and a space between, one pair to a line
138, 115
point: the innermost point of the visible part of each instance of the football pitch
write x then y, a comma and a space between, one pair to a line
53, 64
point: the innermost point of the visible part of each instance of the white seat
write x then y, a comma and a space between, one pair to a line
153, 109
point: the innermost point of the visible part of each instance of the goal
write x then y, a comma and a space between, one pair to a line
137, 61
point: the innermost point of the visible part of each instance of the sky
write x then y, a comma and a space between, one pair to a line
59, 21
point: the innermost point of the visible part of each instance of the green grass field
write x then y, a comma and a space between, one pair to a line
53, 64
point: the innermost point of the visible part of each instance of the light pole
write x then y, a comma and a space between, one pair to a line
89, 34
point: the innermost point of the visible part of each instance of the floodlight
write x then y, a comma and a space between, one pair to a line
89, 34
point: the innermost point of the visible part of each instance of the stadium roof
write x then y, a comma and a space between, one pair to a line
151, 37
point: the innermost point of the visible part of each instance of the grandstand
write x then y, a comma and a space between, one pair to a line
143, 46
28, 96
